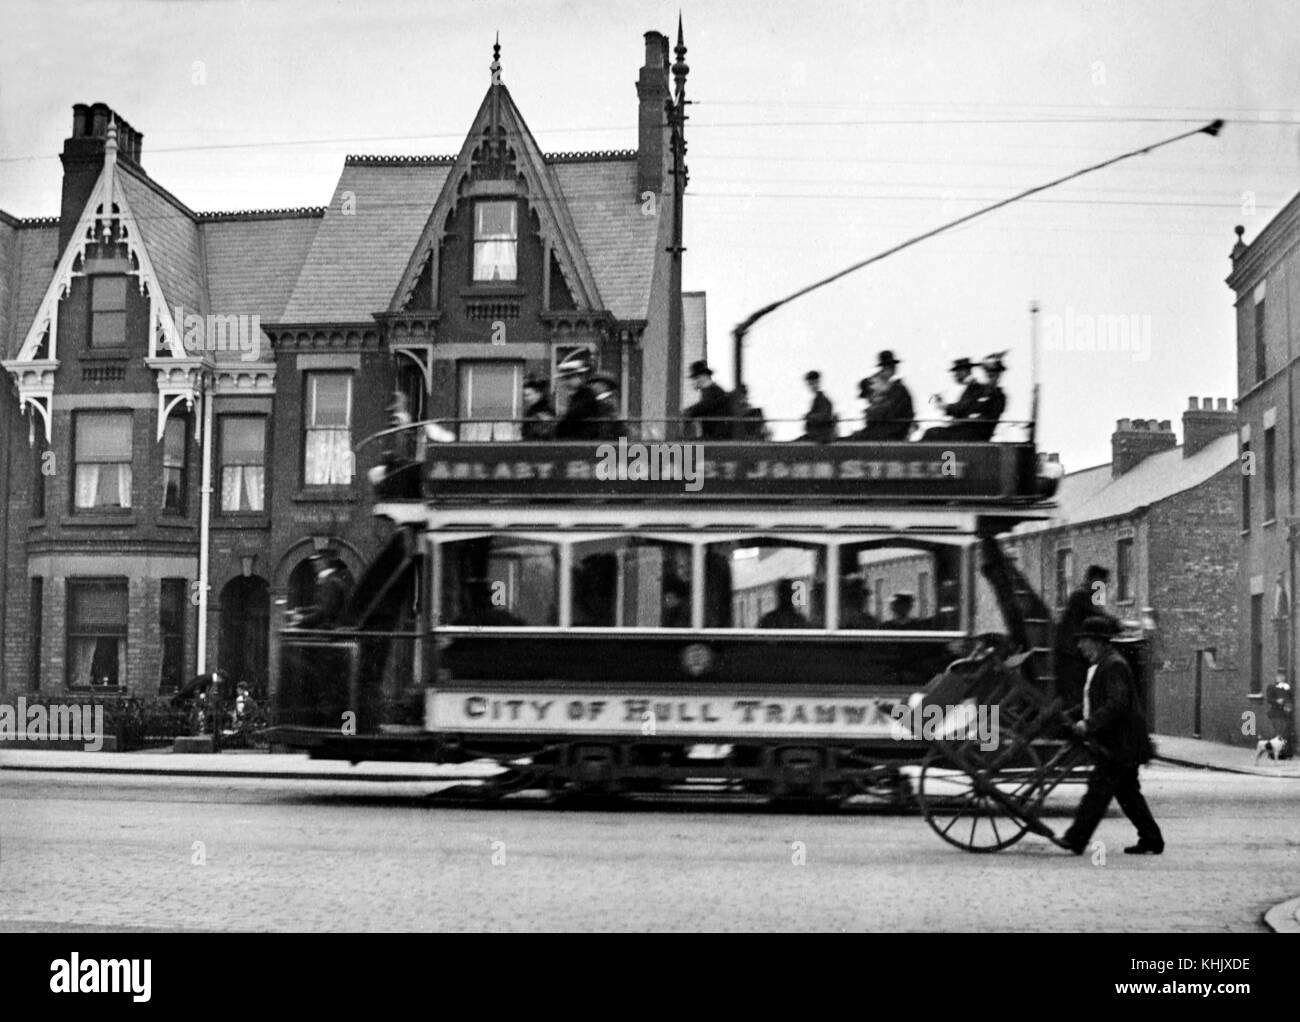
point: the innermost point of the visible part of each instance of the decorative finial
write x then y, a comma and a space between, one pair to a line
495, 66
680, 68
1240, 246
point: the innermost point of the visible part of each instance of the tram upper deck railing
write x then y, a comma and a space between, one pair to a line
453, 460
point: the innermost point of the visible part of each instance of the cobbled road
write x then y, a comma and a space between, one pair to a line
121, 853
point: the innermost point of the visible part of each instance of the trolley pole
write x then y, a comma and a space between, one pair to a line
1033, 369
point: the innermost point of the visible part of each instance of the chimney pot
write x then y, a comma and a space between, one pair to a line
99, 122
1223, 404
1166, 426
1191, 403
1207, 404
1123, 425
654, 48
80, 114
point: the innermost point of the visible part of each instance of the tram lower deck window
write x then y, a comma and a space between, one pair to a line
499, 581
895, 587
630, 582
765, 583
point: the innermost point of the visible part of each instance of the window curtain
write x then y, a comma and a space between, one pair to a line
494, 260
87, 485
124, 485
329, 457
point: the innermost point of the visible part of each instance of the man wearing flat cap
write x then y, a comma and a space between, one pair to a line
961, 411
889, 403
819, 423
713, 409
1118, 736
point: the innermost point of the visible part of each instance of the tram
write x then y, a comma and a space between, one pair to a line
743, 616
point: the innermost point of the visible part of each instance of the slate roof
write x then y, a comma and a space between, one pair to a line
1092, 495
28, 252
171, 237
356, 261
617, 237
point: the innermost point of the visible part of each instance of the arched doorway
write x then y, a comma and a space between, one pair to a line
245, 632
302, 580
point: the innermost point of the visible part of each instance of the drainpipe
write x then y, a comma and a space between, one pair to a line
205, 522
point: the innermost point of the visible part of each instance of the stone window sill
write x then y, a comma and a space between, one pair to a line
326, 495
99, 521
242, 520
1268, 523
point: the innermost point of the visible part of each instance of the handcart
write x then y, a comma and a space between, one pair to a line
985, 795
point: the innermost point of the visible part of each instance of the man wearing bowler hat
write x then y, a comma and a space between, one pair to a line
1120, 741
961, 410
713, 409
889, 409
992, 402
819, 423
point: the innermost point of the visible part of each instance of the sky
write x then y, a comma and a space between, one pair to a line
819, 135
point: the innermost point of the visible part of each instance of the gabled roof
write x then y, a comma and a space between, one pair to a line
1091, 495
499, 121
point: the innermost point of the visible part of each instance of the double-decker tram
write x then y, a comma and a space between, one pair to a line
628, 616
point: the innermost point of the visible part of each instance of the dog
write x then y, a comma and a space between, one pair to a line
1272, 746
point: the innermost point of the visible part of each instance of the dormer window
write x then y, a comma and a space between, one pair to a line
108, 312
496, 242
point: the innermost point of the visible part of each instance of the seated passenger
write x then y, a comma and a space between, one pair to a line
480, 609
580, 420
900, 612
853, 598
748, 422
609, 422
962, 411
713, 409
676, 603
889, 403
992, 401
819, 423
539, 413
785, 615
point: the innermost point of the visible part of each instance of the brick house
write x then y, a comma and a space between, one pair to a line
1266, 278
155, 350
1163, 518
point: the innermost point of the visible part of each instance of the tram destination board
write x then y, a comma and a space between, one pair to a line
850, 471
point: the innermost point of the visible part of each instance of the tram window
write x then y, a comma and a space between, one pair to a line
499, 581
630, 582
900, 587
765, 583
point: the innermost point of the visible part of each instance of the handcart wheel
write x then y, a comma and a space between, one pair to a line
953, 794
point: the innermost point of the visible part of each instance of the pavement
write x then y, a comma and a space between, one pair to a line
1187, 752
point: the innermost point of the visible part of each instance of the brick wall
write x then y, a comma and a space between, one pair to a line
1194, 568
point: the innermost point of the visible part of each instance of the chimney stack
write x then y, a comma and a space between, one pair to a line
83, 159
1206, 423
652, 120
1137, 439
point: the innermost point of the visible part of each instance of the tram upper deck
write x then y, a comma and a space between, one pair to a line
1005, 477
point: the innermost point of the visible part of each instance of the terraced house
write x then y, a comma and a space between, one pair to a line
186, 390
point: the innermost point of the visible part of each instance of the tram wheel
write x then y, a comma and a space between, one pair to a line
959, 808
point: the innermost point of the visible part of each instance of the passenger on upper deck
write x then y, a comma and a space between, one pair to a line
962, 411
539, 413
579, 421
609, 422
785, 615
676, 603
992, 402
713, 409
889, 403
747, 421
819, 423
